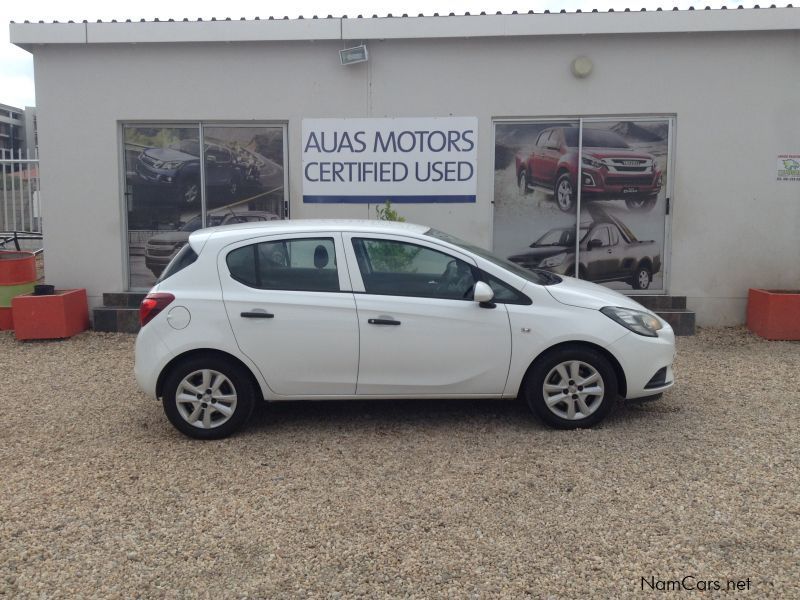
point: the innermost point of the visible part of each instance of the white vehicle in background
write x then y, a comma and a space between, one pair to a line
325, 309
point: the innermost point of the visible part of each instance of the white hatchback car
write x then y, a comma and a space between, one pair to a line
327, 309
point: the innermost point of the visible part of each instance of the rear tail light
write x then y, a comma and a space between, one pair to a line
152, 305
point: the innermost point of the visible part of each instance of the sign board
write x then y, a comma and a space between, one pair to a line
402, 160
789, 167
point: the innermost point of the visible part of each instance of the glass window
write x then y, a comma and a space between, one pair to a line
162, 195
538, 276
307, 264
614, 236
393, 268
504, 293
601, 234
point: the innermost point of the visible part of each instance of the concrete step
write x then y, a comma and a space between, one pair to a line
682, 321
123, 299
661, 302
116, 319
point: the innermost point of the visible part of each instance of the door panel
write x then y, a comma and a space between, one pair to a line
439, 347
310, 344
419, 335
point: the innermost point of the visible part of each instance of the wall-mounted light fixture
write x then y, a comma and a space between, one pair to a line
356, 54
581, 67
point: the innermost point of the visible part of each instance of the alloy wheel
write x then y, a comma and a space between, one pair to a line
644, 279
191, 193
573, 390
206, 399
564, 194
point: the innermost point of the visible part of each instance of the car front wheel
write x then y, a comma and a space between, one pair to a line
208, 397
571, 387
642, 278
565, 194
190, 191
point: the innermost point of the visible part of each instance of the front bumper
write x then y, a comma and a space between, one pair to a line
643, 358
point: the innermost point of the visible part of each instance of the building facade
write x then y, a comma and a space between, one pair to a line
653, 152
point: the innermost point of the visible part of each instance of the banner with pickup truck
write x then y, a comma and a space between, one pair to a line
403, 160
585, 197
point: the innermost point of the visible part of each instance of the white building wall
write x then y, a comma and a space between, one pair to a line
735, 97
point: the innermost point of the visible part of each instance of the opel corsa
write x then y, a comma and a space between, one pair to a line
329, 310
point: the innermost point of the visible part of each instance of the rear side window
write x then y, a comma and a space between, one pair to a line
303, 264
182, 259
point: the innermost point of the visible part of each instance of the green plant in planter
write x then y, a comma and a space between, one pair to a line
388, 256
387, 213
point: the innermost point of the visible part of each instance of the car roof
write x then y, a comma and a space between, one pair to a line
233, 232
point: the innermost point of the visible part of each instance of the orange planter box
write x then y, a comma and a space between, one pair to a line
774, 314
60, 315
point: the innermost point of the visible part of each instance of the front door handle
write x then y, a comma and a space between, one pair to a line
258, 315
383, 322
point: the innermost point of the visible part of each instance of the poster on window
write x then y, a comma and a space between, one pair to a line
610, 229
241, 167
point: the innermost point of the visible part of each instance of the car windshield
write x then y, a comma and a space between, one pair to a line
594, 138
536, 276
188, 147
563, 236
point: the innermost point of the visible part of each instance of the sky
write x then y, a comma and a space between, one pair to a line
16, 65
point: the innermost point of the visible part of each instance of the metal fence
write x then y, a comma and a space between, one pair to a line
20, 199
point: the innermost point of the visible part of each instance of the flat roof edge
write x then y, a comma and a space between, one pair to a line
539, 24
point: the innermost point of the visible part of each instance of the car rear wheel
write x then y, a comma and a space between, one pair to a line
641, 204
522, 182
642, 278
208, 397
565, 193
571, 387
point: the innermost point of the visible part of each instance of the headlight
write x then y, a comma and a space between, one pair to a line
636, 320
592, 162
553, 261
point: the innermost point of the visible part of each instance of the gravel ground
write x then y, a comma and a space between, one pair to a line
100, 497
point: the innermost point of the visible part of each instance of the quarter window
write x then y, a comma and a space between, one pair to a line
305, 264
393, 268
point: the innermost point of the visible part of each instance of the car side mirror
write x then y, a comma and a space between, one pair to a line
210, 158
483, 294
595, 243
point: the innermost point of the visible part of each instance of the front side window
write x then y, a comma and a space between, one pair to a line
393, 268
601, 234
303, 264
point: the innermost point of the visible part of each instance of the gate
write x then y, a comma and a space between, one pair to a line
20, 200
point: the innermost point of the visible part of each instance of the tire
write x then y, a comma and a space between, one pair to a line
641, 204
190, 192
544, 391
210, 423
642, 278
522, 183
564, 193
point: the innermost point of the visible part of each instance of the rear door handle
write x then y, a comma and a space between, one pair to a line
383, 322
258, 315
